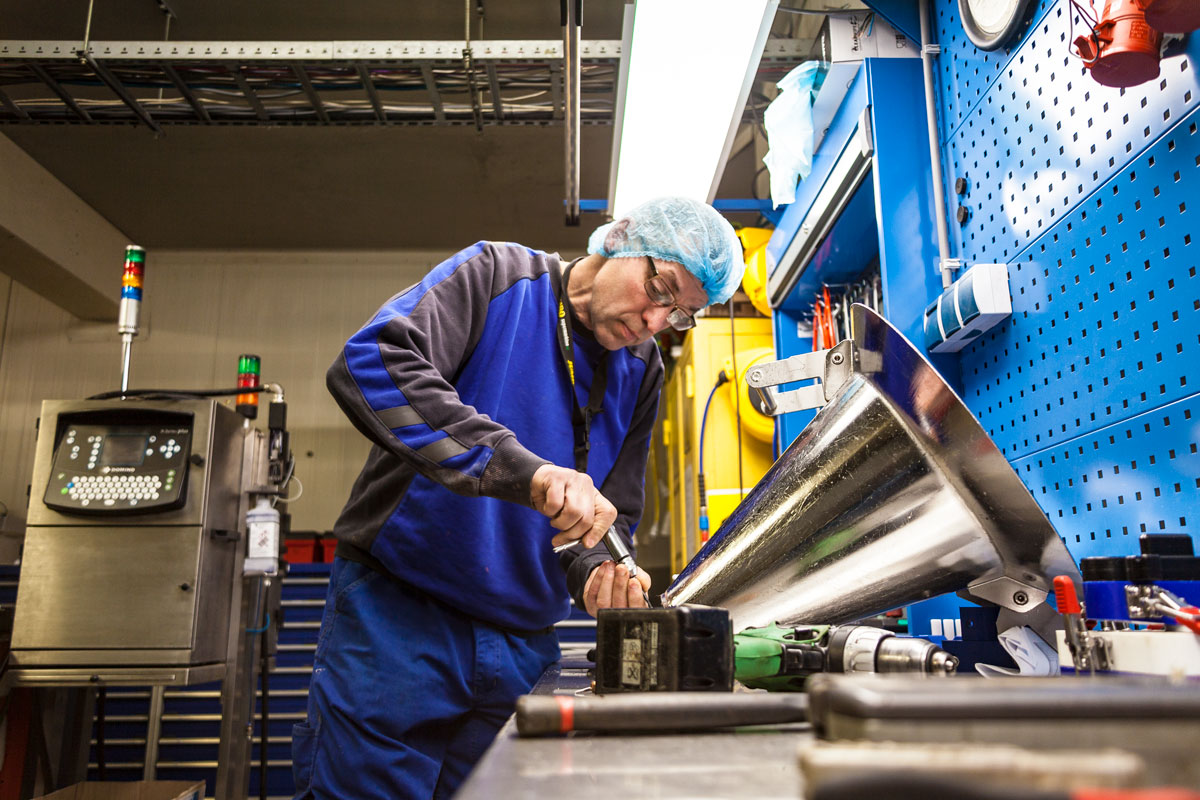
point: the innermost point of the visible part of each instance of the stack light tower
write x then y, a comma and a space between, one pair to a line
129, 313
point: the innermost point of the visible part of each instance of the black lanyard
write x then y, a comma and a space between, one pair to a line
581, 418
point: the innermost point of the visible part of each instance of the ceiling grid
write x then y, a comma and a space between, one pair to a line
423, 82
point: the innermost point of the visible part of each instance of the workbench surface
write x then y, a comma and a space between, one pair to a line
753, 763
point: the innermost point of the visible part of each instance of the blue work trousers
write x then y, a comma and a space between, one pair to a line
406, 693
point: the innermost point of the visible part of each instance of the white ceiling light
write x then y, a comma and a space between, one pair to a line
690, 67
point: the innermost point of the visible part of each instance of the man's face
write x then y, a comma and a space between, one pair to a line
623, 314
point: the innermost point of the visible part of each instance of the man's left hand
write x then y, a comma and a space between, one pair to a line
609, 586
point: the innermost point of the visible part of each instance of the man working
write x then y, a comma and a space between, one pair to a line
501, 390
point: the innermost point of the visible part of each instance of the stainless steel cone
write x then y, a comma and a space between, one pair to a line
893, 494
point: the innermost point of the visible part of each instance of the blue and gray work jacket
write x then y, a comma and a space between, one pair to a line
459, 383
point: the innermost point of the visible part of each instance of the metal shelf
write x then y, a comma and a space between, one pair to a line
494, 82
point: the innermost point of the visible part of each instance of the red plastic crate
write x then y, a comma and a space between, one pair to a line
303, 551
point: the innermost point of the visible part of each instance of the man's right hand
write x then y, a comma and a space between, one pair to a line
573, 504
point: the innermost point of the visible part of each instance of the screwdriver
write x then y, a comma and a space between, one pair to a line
619, 552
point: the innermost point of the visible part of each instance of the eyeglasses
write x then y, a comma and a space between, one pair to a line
660, 294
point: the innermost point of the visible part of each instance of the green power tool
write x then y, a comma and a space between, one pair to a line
693, 648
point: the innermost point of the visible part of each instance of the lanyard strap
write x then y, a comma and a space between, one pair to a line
581, 418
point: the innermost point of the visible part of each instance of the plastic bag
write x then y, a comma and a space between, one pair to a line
789, 123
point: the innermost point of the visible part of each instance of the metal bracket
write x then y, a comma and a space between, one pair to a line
1142, 601
952, 264
1150, 601
1008, 593
831, 367
1024, 604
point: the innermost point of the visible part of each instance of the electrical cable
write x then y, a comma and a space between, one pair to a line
264, 673
177, 393
754, 183
262, 600
266, 624
264, 681
737, 399
291, 472
298, 494
1090, 20
258, 603
722, 378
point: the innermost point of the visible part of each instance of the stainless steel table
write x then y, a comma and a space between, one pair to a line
751, 763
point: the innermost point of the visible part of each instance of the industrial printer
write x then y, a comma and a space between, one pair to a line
150, 559
894, 494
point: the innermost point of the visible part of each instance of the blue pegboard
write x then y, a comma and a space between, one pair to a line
1106, 310
1141, 475
1090, 388
1045, 137
965, 72
1088, 193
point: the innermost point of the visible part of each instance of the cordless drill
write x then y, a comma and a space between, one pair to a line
693, 648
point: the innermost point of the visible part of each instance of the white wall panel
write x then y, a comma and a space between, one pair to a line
202, 310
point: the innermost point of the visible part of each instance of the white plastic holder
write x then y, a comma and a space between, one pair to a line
976, 302
262, 526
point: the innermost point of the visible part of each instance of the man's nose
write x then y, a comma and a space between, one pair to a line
656, 318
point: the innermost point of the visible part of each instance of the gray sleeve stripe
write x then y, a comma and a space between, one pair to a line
399, 417
442, 449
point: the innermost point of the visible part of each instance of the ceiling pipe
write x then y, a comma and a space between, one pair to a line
572, 11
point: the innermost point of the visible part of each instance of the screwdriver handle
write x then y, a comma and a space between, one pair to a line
619, 552
616, 548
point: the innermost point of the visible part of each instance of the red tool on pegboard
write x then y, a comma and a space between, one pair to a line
830, 330
1122, 49
818, 342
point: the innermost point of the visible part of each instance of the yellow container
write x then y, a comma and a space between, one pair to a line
707, 352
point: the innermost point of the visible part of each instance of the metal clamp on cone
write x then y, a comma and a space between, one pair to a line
831, 367
892, 494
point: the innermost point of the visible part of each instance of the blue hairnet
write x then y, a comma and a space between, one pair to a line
682, 230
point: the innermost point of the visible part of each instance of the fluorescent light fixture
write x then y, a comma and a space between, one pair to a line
690, 67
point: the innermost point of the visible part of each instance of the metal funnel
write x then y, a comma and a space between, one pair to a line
893, 494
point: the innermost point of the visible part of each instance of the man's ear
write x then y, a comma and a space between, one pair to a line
615, 234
